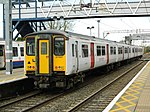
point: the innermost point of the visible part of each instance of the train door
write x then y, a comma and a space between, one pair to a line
77, 56
107, 53
92, 55
43, 47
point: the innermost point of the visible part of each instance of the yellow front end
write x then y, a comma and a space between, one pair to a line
45, 59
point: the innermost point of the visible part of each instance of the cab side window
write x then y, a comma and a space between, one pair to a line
15, 51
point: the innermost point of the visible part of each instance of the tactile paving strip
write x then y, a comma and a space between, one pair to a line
129, 100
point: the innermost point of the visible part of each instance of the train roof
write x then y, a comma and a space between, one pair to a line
76, 35
67, 34
48, 31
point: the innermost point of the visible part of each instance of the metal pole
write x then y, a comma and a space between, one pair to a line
8, 34
98, 21
90, 32
3, 23
36, 14
19, 9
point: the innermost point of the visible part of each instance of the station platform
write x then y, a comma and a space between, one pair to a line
18, 74
135, 97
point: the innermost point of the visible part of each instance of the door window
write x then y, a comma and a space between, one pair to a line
43, 48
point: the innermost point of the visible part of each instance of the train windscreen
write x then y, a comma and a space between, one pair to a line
30, 46
59, 46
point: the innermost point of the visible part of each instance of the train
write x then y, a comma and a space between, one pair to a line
17, 54
55, 58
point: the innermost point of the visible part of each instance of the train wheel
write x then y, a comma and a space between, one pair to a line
70, 83
81, 77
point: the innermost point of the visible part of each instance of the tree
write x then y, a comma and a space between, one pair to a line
61, 25
20, 39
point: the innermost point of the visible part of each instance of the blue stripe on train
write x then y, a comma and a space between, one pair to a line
18, 63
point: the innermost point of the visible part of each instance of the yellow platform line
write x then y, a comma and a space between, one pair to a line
129, 98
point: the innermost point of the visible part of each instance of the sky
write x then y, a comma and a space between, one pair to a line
111, 24
106, 24
1, 21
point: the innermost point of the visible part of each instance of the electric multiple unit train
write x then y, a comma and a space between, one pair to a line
60, 59
18, 54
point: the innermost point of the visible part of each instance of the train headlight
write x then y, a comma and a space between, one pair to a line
56, 67
59, 67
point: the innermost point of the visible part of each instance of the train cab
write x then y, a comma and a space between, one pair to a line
45, 56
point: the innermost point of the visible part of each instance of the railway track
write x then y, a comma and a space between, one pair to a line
88, 104
39, 100
11, 102
28, 102
78, 101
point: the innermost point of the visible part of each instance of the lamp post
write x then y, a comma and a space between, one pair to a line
90, 29
98, 21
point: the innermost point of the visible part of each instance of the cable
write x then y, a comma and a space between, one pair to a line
126, 23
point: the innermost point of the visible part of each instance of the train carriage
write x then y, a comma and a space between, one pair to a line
59, 59
17, 55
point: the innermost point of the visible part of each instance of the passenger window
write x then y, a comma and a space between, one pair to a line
15, 51
114, 50
119, 50
1, 50
72, 50
126, 50
111, 50
132, 50
129, 50
22, 51
99, 50
84, 51
103, 50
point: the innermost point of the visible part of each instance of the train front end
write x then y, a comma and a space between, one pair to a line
45, 59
